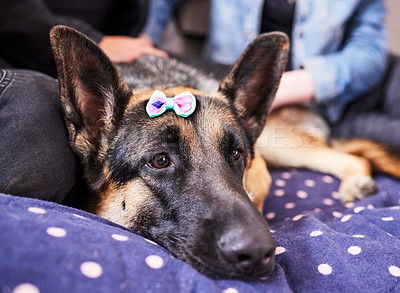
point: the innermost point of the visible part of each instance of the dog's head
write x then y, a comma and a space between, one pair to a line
175, 180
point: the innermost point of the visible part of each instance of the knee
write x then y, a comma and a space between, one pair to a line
37, 161
44, 177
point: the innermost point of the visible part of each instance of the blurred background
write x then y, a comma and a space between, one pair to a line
185, 33
393, 25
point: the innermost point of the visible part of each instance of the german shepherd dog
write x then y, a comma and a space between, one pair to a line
194, 184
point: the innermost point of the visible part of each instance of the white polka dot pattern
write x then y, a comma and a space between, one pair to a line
309, 183
154, 261
349, 205
230, 290
270, 215
91, 269
345, 218
78, 216
328, 201
290, 205
26, 288
36, 210
279, 250
297, 218
316, 233
354, 250
56, 232
302, 194
337, 214
280, 183
395, 271
279, 192
327, 179
325, 269
150, 241
119, 237
358, 209
286, 175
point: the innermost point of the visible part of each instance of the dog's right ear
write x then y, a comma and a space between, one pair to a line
253, 81
92, 92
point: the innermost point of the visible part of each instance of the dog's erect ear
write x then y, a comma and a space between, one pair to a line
253, 81
92, 92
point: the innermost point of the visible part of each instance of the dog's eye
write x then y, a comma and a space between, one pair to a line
160, 161
236, 155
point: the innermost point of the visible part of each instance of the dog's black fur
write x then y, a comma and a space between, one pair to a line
177, 181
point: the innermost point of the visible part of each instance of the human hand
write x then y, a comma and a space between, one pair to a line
126, 49
295, 87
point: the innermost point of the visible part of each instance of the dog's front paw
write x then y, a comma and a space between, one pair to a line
356, 187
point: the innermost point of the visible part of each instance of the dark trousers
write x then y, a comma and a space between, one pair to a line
35, 157
377, 114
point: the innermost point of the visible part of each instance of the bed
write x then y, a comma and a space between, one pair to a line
323, 245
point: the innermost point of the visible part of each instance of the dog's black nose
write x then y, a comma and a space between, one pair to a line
251, 253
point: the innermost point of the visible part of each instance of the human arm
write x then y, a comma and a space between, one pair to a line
341, 68
359, 65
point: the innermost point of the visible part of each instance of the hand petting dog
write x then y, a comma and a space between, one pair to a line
127, 49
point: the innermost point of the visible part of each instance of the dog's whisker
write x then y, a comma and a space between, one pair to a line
176, 239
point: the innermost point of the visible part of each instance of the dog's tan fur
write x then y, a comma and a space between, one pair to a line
257, 181
376, 154
134, 196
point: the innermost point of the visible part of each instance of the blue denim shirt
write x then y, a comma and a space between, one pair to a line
342, 43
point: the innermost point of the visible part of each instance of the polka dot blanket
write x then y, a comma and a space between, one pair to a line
323, 246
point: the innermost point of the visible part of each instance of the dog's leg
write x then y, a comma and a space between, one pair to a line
257, 181
315, 154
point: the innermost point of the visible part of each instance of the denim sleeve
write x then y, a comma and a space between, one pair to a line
160, 11
342, 76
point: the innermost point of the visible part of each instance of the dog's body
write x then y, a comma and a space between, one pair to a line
295, 136
186, 183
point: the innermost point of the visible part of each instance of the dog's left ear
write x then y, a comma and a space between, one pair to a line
253, 81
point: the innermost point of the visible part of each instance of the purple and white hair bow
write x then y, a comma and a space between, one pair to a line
183, 104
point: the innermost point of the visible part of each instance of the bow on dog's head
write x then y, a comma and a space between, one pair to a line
183, 104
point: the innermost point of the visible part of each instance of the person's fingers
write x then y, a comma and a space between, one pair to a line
126, 49
155, 51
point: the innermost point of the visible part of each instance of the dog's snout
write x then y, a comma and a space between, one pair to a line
251, 254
